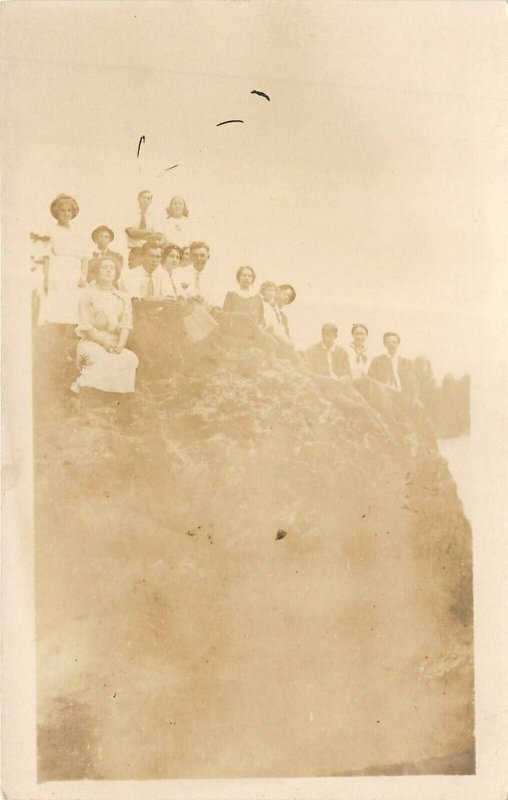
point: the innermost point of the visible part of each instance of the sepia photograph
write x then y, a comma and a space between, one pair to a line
253, 253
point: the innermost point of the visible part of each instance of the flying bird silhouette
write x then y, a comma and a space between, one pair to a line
227, 121
261, 94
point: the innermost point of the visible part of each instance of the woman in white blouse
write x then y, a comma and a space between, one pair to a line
358, 354
105, 320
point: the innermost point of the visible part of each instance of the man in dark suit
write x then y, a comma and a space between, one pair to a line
395, 371
329, 365
325, 357
103, 236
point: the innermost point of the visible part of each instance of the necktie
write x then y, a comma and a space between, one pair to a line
142, 222
361, 358
196, 281
150, 289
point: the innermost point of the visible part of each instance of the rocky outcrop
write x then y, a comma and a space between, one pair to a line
247, 582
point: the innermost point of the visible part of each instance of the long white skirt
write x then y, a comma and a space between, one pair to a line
60, 304
109, 372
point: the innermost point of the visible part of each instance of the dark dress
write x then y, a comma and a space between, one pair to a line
249, 305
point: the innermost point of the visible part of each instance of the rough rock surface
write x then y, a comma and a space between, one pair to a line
180, 634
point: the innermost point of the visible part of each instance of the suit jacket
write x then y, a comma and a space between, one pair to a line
381, 369
317, 361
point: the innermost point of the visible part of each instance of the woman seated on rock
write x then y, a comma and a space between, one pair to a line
275, 324
105, 319
377, 394
244, 302
285, 296
171, 260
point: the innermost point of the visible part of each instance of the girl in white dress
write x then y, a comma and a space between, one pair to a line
65, 265
105, 319
177, 228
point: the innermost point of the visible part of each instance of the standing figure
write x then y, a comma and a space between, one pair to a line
177, 226
144, 225
105, 320
103, 236
65, 265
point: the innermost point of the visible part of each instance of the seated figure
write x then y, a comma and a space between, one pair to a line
329, 365
375, 392
395, 371
242, 310
154, 309
105, 320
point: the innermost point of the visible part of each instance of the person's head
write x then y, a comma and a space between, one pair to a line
103, 236
106, 271
134, 257
177, 208
199, 253
171, 257
329, 334
144, 199
245, 277
151, 256
268, 291
286, 294
64, 208
391, 341
359, 332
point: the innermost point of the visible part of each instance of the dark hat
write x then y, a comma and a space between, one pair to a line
291, 289
101, 228
58, 200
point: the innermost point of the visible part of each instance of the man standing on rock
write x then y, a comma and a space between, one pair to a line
144, 226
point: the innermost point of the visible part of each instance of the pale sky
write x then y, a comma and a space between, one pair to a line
365, 181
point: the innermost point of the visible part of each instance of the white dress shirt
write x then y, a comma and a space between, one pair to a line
191, 283
138, 282
153, 221
329, 353
395, 368
359, 362
273, 320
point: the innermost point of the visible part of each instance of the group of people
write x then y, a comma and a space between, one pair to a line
157, 309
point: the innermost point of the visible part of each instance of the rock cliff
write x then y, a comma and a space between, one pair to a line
246, 582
